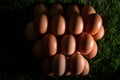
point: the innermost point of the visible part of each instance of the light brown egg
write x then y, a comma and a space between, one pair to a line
93, 24
99, 35
56, 9
77, 63
41, 24
58, 64
85, 43
68, 44
93, 53
75, 24
38, 50
87, 10
40, 9
58, 25
50, 44
72, 9
86, 69
30, 32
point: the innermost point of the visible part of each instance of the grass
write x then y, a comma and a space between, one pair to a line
15, 15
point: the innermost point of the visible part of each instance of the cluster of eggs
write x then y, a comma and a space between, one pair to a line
64, 40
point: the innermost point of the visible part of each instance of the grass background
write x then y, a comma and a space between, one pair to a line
16, 61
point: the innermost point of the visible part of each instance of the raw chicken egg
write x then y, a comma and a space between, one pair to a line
50, 44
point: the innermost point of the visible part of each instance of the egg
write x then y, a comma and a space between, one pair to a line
56, 9
86, 69
99, 34
75, 24
50, 44
93, 24
40, 9
58, 64
30, 32
72, 9
77, 63
68, 45
38, 49
87, 10
85, 43
41, 24
58, 25
93, 53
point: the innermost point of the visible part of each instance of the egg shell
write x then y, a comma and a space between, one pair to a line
86, 69
77, 63
87, 10
93, 53
30, 31
50, 44
58, 64
75, 24
85, 43
38, 49
93, 24
99, 35
68, 44
58, 25
41, 24
56, 9
40, 9
72, 9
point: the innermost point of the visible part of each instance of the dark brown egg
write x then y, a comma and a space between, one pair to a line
50, 44
77, 63
93, 24
58, 64
68, 44
58, 25
75, 24
41, 24
85, 43
30, 31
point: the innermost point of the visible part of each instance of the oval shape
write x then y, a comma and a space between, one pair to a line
56, 9
58, 25
41, 24
99, 35
77, 63
50, 44
30, 32
93, 24
68, 44
93, 53
85, 43
58, 64
87, 10
75, 24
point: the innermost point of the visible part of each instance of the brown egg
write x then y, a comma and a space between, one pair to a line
41, 24
75, 24
99, 34
50, 44
86, 69
87, 10
30, 32
38, 50
58, 25
40, 9
93, 24
93, 53
56, 9
85, 43
58, 64
72, 9
77, 63
68, 44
